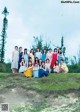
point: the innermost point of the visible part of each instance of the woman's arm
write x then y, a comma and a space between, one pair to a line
21, 64
12, 56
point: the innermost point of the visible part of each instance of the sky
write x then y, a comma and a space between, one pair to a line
49, 18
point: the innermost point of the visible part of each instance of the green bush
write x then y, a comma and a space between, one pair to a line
5, 67
74, 68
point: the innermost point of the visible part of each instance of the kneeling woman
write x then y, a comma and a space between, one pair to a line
28, 72
63, 67
22, 66
42, 71
36, 70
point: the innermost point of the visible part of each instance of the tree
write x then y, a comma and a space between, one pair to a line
38, 43
62, 42
64, 50
79, 57
46, 46
62, 46
3, 35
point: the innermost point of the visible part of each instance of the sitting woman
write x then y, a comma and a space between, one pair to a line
28, 72
22, 66
42, 71
36, 60
47, 65
40, 63
63, 67
56, 67
36, 70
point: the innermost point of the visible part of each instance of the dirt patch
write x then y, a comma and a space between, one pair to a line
18, 96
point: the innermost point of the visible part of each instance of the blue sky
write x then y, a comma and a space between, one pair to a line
49, 18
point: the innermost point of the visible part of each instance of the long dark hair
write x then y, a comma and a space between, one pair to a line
31, 51
59, 51
56, 63
22, 62
30, 62
25, 50
43, 51
37, 60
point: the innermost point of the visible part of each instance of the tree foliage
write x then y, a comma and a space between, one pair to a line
63, 46
3, 35
38, 43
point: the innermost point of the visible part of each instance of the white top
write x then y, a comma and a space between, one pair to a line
35, 68
47, 66
15, 55
15, 59
38, 55
49, 56
32, 56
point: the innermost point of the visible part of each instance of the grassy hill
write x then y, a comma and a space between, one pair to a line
58, 92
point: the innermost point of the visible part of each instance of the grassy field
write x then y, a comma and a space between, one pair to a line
58, 92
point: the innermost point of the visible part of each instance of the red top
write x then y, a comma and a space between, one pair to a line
54, 59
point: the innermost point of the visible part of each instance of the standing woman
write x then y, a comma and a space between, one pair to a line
44, 55
54, 58
49, 55
38, 54
20, 56
60, 56
25, 57
15, 59
31, 55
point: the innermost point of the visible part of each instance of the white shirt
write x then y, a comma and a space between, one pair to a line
38, 55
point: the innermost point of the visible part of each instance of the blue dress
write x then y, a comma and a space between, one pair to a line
43, 73
35, 73
59, 58
20, 58
43, 57
26, 59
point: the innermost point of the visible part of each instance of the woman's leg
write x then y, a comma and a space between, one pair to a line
13, 70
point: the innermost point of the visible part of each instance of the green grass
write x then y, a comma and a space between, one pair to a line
53, 82
54, 85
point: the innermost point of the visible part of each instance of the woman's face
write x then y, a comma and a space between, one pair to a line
16, 48
36, 59
22, 59
55, 50
20, 49
25, 51
30, 63
37, 50
47, 61
30, 59
61, 61
40, 60
50, 50
60, 50
43, 64
44, 51
32, 51
36, 65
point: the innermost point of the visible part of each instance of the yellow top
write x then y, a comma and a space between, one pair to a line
28, 72
64, 67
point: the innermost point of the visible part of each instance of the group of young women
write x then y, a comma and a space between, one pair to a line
38, 64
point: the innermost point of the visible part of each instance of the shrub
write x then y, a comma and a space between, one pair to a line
5, 67
74, 68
